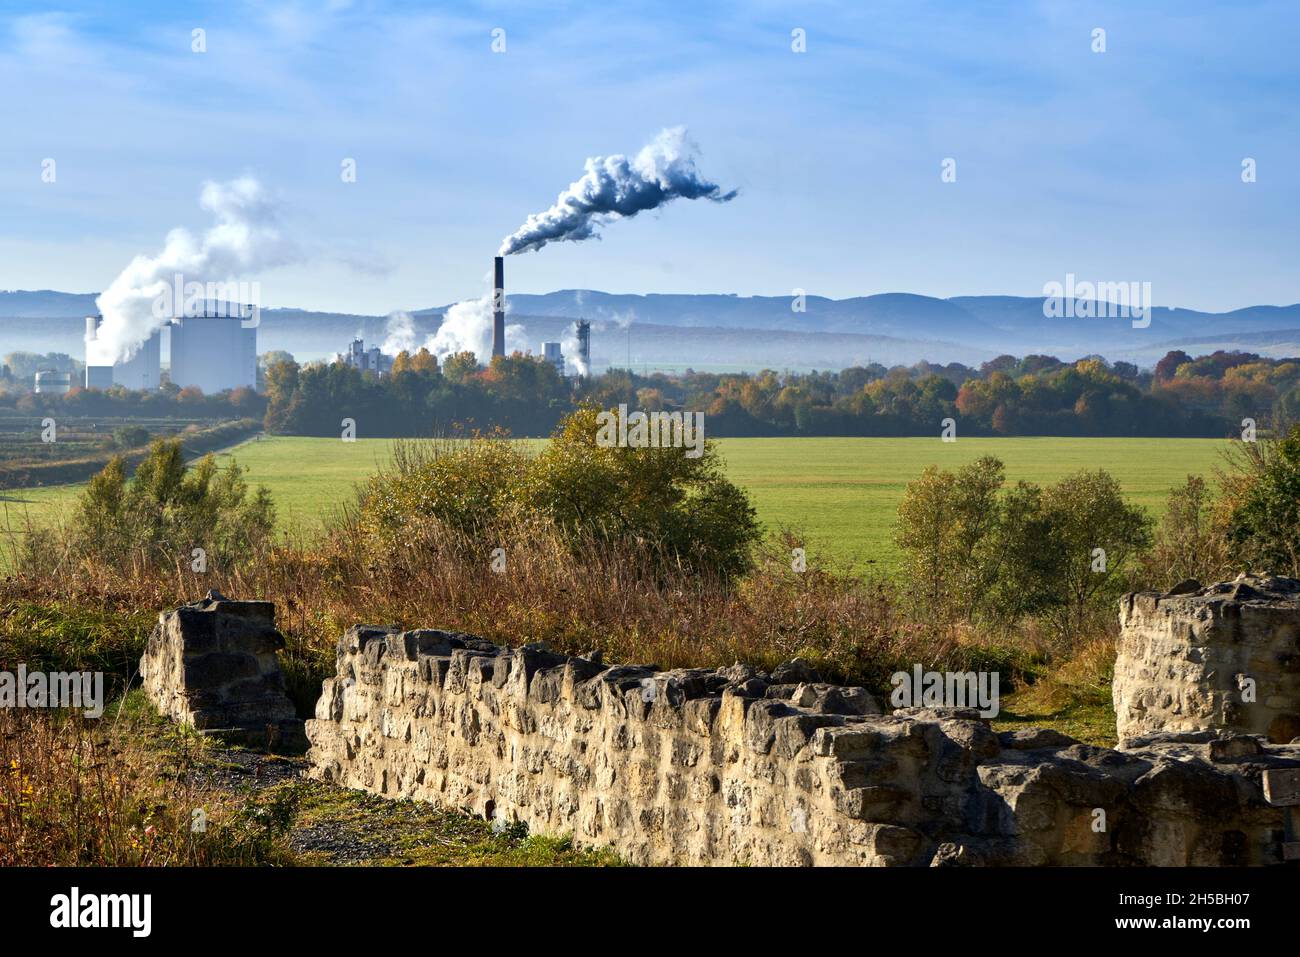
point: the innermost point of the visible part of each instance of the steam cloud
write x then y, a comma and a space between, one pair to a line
243, 238
615, 187
569, 346
466, 327
399, 334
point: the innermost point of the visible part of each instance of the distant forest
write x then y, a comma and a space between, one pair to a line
1206, 397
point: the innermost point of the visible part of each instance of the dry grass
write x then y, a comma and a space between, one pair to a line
74, 793
631, 603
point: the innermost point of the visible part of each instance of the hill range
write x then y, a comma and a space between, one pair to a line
666, 331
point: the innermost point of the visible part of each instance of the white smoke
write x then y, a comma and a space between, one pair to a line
569, 346
466, 327
243, 239
399, 334
615, 187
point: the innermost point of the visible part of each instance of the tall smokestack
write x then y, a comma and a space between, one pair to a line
584, 347
499, 307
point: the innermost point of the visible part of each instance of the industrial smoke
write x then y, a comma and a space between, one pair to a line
466, 327
616, 187
243, 238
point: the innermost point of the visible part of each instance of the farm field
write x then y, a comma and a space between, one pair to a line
841, 492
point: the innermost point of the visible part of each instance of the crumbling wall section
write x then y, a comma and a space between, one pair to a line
212, 665
1224, 657
735, 766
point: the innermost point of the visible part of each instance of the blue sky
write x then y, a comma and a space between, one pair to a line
1119, 166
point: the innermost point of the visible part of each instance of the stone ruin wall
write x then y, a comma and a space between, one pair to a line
735, 766
1195, 658
739, 767
211, 665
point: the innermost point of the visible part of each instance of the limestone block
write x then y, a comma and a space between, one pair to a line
1224, 657
211, 665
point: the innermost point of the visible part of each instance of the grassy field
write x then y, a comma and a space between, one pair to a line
841, 492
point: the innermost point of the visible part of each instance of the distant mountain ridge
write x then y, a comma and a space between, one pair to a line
748, 331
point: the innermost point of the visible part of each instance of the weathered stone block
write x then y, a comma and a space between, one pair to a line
211, 665
1215, 658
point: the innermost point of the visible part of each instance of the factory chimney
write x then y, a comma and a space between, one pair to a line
584, 347
499, 307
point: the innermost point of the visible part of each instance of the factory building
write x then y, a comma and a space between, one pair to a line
49, 382
368, 360
553, 355
213, 352
143, 370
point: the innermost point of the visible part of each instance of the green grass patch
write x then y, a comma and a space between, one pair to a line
63, 636
842, 493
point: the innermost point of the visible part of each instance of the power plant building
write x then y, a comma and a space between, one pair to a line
50, 382
143, 370
551, 351
213, 353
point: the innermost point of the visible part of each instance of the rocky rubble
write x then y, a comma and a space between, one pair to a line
733, 765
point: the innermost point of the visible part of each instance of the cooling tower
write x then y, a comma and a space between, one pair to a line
213, 353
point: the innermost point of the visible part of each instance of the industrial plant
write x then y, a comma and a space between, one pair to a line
368, 360
213, 351
551, 352
141, 371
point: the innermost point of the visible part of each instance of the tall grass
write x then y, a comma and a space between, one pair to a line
73, 793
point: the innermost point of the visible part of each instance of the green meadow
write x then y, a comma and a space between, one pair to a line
840, 492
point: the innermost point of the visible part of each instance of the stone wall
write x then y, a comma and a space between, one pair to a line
1193, 659
212, 665
735, 766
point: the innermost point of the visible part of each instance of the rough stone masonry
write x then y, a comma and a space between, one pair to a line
1222, 657
735, 766
212, 665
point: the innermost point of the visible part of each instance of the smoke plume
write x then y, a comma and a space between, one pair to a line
569, 346
616, 187
243, 238
399, 334
466, 327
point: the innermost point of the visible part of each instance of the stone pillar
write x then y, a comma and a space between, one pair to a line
212, 665
1224, 657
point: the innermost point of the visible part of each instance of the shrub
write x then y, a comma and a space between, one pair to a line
130, 436
656, 500
1264, 502
972, 553
946, 523
1191, 540
159, 517
1085, 513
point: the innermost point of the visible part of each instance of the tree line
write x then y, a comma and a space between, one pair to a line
1208, 397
